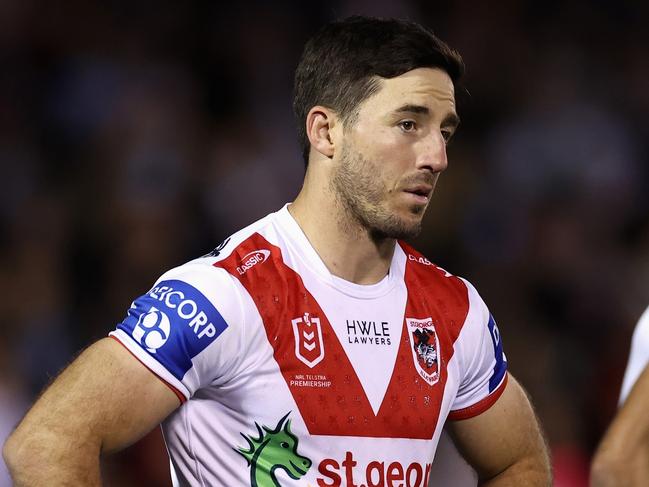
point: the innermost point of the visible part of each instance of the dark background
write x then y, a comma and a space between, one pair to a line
137, 135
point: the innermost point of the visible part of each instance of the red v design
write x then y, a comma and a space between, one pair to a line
329, 394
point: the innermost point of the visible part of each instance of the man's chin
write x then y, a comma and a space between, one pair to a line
398, 230
409, 232
409, 226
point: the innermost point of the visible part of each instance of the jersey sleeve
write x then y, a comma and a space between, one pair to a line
187, 329
638, 357
481, 359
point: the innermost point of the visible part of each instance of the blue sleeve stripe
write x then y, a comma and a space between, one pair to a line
501, 364
173, 323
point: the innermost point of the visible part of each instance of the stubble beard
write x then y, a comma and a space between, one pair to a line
362, 197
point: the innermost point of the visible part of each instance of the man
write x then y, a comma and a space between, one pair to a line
622, 458
312, 347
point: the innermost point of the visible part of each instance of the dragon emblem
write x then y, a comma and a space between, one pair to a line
273, 449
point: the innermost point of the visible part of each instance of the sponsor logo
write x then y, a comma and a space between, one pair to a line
377, 474
420, 259
217, 251
152, 329
425, 348
370, 332
425, 261
175, 321
309, 348
501, 360
251, 259
274, 449
186, 309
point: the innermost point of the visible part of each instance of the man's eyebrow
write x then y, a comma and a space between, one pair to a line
451, 119
413, 109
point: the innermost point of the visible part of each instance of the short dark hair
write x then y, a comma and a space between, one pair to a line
341, 64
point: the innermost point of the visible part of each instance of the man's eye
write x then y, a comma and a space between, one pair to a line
447, 134
407, 125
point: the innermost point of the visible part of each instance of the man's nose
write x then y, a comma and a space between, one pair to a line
432, 154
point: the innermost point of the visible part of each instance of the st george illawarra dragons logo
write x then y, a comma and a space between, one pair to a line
424, 345
272, 450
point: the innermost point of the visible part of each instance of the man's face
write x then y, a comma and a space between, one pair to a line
394, 151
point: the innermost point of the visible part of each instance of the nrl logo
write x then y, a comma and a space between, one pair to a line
425, 348
309, 348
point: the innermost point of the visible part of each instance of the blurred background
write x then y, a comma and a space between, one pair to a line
135, 136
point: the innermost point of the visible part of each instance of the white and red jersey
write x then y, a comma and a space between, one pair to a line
289, 375
638, 357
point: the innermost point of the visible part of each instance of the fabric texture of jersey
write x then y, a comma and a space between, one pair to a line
638, 357
289, 375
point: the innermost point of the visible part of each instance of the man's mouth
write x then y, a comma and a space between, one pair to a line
420, 192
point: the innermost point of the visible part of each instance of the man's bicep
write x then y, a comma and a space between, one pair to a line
106, 398
505, 436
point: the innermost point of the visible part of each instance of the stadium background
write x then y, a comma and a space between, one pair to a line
136, 135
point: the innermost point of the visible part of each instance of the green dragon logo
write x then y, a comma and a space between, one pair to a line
273, 449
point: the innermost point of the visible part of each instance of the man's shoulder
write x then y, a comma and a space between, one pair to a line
426, 277
206, 269
229, 244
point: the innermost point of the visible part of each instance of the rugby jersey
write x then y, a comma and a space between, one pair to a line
289, 375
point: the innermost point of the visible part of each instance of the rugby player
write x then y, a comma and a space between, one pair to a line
313, 347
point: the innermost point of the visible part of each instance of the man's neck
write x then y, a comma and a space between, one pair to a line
344, 245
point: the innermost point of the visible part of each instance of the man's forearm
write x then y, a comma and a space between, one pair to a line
51, 460
84, 413
620, 464
622, 458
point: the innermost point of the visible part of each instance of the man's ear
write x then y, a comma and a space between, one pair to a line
320, 122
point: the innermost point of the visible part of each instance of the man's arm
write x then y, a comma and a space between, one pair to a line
104, 401
622, 458
504, 444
